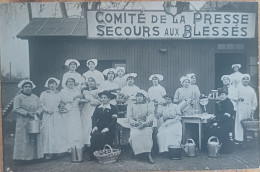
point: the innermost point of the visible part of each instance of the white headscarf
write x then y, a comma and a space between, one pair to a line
225, 76
132, 75
143, 92
92, 60
67, 63
20, 85
183, 78
246, 76
159, 76
120, 68
190, 75
52, 78
106, 71
238, 65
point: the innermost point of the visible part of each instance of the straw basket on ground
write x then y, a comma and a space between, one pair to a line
250, 124
107, 156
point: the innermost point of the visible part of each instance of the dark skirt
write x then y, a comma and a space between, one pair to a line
222, 133
99, 139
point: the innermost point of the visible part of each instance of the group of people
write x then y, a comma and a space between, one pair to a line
236, 101
84, 112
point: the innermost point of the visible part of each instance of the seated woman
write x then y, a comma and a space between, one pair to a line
26, 106
140, 116
170, 132
103, 123
229, 88
223, 123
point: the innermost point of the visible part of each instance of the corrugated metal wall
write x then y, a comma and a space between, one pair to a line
47, 57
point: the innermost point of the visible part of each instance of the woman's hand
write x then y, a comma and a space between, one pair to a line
105, 130
77, 96
227, 114
94, 129
190, 101
31, 114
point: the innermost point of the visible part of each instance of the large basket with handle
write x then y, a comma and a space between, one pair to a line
250, 124
107, 156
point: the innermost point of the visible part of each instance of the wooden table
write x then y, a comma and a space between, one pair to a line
195, 119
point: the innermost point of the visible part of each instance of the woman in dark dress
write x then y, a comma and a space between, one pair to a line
224, 121
103, 123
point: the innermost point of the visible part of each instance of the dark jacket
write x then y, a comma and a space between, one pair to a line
104, 118
225, 106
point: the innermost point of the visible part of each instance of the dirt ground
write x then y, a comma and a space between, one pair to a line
240, 159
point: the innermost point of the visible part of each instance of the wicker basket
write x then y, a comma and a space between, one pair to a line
250, 124
107, 156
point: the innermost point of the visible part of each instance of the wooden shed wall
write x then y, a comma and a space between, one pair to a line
47, 57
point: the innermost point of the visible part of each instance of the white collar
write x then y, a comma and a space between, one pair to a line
107, 106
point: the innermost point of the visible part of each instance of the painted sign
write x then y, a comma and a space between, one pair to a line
159, 25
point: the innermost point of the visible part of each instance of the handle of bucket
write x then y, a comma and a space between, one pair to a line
182, 146
213, 137
106, 145
77, 158
191, 140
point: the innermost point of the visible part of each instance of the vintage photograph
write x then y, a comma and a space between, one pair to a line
129, 86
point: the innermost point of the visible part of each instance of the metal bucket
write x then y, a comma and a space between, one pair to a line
76, 154
34, 126
175, 152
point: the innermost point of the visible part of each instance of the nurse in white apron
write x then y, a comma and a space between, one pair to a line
129, 91
92, 72
196, 91
246, 105
235, 78
72, 64
109, 84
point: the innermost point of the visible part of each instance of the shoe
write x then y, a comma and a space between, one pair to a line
151, 161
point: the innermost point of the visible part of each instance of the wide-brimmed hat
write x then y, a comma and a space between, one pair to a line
67, 63
158, 76
52, 78
222, 90
26, 81
203, 96
108, 94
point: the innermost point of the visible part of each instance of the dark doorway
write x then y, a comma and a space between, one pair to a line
223, 63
